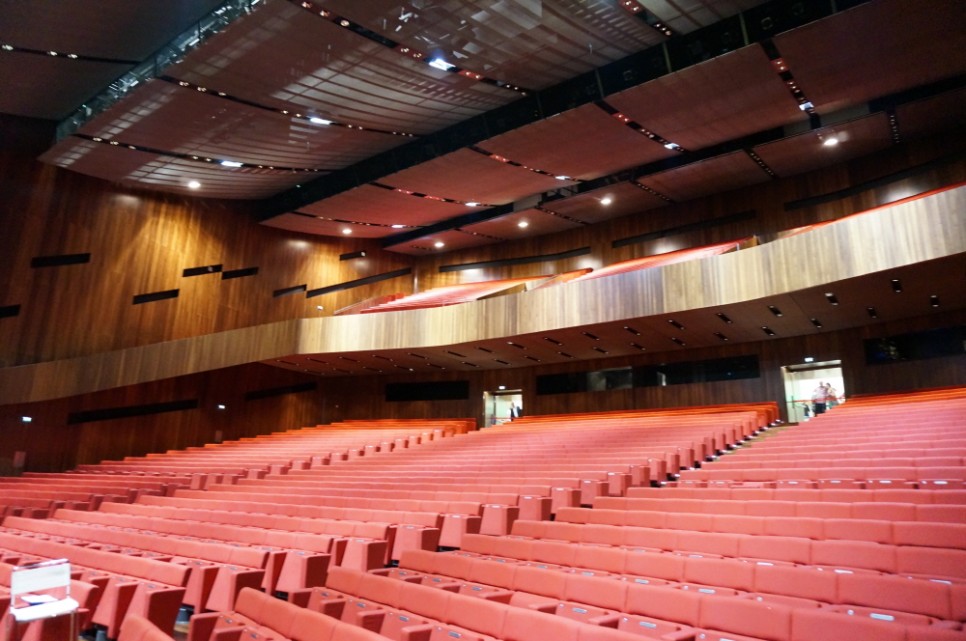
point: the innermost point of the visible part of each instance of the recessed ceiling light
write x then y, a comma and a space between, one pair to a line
221, 406
230, 163
320, 121
439, 244
441, 64
831, 141
397, 226
346, 231
193, 184
26, 419
472, 204
606, 200
523, 224
562, 177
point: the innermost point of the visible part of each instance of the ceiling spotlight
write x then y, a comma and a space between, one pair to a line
872, 312
441, 64
346, 231
676, 324
934, 301
398, 226
830, 297
194, 184
230, 163
897, 285
472, 204
809, 359
26, 419
319, 121
768, 330
523, 224
805, 106
563, 177
831, 141
439, 244
673, 146
221, 406
774, 310
721, 336
816, 322
606, 200
724, 318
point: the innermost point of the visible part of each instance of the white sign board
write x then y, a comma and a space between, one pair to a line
41, 590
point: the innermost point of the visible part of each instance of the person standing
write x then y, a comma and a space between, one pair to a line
820, 399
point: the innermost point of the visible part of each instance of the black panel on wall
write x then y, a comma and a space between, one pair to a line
428, 391
154, 297
130, 411
61, 260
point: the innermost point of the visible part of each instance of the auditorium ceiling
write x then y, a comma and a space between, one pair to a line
434, 125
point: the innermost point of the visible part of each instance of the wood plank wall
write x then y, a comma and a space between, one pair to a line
53, 443
140, 242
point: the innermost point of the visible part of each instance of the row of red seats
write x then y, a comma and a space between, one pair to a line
260, 617
786, 606
924, 534
402, 610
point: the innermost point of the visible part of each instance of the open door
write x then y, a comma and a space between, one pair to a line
802, 379
502, 406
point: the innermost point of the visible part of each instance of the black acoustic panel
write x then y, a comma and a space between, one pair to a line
298, 388
368, 280
131, 411
154, 297
428, 391
570, 94
9, 311
633, 70
680, 229
522, 260
469, 132
706, 43
288, 291
239, 273
772, 18
60, 260
201, 271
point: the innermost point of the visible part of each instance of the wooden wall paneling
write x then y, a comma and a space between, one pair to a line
838, 252
52, 443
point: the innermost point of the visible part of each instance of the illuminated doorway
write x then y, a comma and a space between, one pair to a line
501, 406
802, 379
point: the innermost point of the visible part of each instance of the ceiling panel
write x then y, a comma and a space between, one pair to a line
371, 204
313, 225
806, 152
452, 239
932, 116
728, 97
508, 227
722, 173
168, 117
876, 49
685, 16
469, 176
589, 208
149, 170
274, 57
585, 143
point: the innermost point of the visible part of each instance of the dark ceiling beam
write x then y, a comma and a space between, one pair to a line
680, 52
